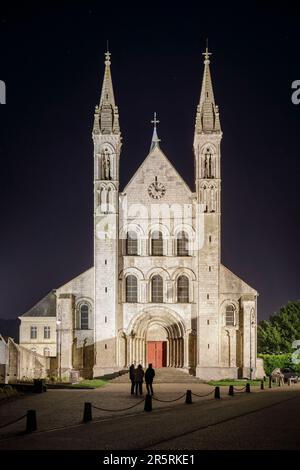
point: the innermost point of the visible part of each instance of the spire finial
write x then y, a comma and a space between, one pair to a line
107, 54
155, 121
155, 140
206, 54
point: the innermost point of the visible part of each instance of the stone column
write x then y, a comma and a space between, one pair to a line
249, 335
135, 350
65, 333
137, 354
177, 352
232, 340
168, 354
140, 356
125, 351
130, 350
145, 352
181, 352
173, 352
187, 349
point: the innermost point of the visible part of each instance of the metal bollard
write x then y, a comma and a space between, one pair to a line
87, 412
31, 424
247, 388
262, 385
270, 382
231, 391
188, 397
217, 393
148, 403
289, 382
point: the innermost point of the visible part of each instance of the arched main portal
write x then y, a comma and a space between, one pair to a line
157, 337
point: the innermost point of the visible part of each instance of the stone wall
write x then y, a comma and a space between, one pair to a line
24, 364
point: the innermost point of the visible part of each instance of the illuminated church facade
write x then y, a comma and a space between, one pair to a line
158, 291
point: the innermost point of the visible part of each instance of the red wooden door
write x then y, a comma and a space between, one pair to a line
157, 353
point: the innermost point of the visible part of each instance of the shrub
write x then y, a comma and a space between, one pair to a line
8, 391
272, 361
52, 379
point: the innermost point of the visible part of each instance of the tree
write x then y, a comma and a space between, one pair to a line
275, 336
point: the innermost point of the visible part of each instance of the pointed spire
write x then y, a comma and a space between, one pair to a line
106, 117
107, 94
155, 140
207, 119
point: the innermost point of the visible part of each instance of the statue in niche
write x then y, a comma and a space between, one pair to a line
205, 202
205, 167
208, 164
106, 165
212, 199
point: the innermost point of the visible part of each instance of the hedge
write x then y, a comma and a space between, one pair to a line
272, 361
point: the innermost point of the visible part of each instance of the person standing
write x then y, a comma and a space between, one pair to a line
139, 376
132, 377
149, 376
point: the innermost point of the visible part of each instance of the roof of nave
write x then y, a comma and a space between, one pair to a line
77, 282
231, 283
44, 308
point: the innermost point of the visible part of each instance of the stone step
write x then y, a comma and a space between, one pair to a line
164, 375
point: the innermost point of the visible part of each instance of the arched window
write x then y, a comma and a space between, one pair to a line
46, 352
157, 245
131, 244
84, 317
229, 315
182, 244
131, 289
157, 293
182, 289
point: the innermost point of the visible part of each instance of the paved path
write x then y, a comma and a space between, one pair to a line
58, 408
262, 420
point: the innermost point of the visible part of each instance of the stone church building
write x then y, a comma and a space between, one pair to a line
158, 291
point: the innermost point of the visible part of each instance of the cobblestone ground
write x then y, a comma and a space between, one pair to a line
59, 408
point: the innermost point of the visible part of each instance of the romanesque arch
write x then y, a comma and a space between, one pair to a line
159, 327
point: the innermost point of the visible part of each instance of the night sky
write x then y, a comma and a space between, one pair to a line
52, 64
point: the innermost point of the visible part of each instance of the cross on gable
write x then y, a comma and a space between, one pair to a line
155, 121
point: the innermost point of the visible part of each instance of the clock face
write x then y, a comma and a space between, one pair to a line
156, 190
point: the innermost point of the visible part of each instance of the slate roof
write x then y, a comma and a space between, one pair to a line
44, 308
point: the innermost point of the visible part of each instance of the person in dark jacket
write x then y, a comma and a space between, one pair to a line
139, 376
132, 377
149, 376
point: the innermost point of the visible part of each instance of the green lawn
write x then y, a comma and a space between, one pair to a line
236, 383
93, 383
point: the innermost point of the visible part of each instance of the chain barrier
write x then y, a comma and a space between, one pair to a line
12, 422
168, 401
122, 409
203, 396
239, 389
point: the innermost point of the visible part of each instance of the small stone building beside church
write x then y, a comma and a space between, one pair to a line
158, 291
